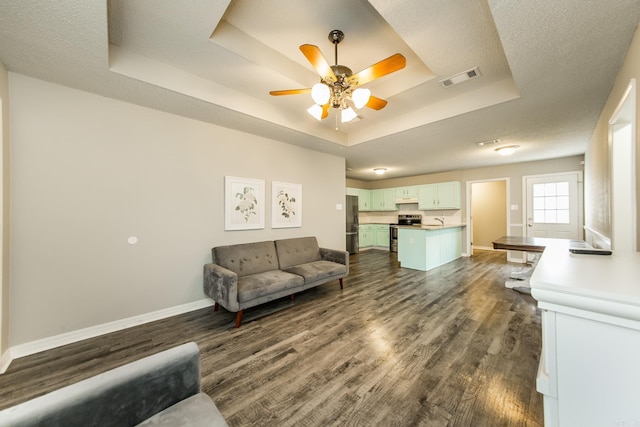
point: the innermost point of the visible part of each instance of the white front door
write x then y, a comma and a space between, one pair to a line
553, 206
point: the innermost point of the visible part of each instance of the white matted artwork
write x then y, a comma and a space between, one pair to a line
286, 205
244, 203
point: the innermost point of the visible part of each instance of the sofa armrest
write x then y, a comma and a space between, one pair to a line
221, 285
122, 396
334, 255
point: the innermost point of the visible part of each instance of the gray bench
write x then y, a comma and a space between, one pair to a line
158, 390
249, 274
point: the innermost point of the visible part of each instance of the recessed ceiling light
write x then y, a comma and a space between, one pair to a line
507, 150
380, 171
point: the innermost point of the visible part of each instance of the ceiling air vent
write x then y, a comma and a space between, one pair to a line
461, 77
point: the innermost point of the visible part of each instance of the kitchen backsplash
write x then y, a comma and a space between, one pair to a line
428, 217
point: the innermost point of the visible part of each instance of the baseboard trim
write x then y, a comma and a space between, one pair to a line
5, 361
44, 344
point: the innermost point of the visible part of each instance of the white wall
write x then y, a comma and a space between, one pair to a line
88, 172
597, 185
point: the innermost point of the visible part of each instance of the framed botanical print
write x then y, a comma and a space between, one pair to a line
244, 203
286, 205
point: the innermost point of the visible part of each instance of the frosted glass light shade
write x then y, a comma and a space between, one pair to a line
360, 97
320, 93
316, 111
508, 150
348, 114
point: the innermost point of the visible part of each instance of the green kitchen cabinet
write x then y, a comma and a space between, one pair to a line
364, 197
383, 200
381, 235
365, 236
443, 195
411, 192
425, 249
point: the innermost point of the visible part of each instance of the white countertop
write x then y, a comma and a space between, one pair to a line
431, 227
605, 284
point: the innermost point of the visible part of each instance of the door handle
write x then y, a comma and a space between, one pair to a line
529, 222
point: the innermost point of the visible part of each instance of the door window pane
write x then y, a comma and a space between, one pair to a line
551, 203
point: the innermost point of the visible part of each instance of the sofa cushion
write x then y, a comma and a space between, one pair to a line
246, 258
197, 410
318, 270
297, 251
270, 282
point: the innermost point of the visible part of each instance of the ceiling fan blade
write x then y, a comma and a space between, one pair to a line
376, 103
379, 69
289, 92
325, 111
314, 56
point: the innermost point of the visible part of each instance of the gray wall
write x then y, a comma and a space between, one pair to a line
4, 211
89, 172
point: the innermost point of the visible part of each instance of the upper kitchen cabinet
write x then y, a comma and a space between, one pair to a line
443, 195
383, 200
364, 198
407, 193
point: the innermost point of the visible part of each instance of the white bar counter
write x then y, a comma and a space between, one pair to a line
589, 369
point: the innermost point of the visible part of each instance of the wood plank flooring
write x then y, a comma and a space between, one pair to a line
396, 347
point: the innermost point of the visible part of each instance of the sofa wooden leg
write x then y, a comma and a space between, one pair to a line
215, 306
239, 318
341, 283
292, 297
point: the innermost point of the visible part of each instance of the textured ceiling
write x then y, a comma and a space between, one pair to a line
546, 69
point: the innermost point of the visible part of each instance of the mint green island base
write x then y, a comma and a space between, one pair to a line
424, 248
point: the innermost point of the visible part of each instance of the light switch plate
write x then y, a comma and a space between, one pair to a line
338, 206
515, 207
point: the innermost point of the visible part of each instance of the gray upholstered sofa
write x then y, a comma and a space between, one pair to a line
245, 275
158, 390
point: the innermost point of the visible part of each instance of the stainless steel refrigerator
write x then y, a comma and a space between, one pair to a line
351, 212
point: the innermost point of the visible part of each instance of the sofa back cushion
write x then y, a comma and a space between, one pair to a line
246, 258
297, 251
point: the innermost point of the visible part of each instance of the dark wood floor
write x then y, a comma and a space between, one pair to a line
396, 347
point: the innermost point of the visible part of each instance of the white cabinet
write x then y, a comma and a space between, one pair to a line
589, 371
383, 200
443, 195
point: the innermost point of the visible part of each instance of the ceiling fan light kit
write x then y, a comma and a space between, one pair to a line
338, 85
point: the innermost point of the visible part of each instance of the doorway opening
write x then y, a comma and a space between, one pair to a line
487, 215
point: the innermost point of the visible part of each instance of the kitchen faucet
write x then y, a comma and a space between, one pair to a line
440, 220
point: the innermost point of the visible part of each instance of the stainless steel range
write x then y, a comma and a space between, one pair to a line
393, 229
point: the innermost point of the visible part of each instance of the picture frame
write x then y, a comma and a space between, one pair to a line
244, 203
286, 205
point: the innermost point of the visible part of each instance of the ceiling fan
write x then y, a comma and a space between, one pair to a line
338, 84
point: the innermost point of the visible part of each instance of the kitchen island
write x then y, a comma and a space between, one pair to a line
589, 370
423, 247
